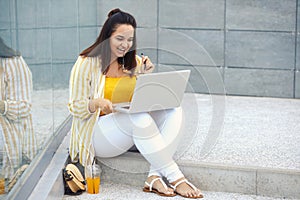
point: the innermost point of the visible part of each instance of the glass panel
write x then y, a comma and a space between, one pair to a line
37, 52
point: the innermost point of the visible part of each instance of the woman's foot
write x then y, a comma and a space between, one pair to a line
157, 185
186, 189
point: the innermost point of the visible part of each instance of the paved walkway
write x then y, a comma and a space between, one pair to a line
112, 191
246, 131
49, 110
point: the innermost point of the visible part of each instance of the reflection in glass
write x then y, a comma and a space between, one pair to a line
49, 46
16, 128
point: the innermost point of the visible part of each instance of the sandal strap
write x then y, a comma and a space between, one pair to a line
152, 182
187, 182
192, 185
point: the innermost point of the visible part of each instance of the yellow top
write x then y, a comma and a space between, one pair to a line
119, 89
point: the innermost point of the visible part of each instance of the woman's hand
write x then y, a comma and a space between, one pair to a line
104, 104
147, 65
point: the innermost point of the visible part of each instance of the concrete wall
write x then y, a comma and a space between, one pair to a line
248, 47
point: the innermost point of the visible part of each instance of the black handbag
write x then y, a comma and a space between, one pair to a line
74, 181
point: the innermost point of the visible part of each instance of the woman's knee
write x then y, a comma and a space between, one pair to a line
141, 120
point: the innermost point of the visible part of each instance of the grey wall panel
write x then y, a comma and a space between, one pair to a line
6, 36
260, 49
202, 79
298, 16
87, 12
259, 44
88, 36
298, 38
33, 14
144, 11
35, 45
211, 42
297, 89
193, 47
41, 76
208, 80
46, 76
65, 44
9, 36
13, 14
298, 52
147, 43
257, 82
61, 75
5, 14
191, 14
261, 14
64, 13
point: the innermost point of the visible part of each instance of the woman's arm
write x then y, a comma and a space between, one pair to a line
80, 87
81, 102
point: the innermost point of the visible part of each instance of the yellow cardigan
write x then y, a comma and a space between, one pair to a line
86, 83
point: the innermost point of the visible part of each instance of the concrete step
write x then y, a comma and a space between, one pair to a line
131, 169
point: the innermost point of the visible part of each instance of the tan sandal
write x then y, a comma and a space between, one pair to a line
191, 185
153, 190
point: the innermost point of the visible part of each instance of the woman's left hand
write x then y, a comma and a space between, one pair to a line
147, 65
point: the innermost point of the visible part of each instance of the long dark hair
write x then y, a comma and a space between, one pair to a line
7, 52
101, 47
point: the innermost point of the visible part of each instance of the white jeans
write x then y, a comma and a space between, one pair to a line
155, 134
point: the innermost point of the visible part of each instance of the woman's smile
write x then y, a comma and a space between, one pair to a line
121, 40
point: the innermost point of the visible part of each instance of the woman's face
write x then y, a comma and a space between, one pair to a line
121, 40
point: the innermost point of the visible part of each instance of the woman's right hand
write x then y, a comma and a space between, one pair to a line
105, 105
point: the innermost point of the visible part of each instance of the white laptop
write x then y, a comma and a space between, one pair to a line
156, 91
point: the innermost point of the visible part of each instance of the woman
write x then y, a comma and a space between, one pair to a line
16, 130
105, 73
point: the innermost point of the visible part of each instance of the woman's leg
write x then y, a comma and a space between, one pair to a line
113, 136
167, 120
170, 123
115, 133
